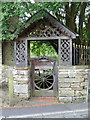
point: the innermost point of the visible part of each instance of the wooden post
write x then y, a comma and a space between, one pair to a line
59, 51
74, 52
10, 89
79, 49
70, 52
84, 54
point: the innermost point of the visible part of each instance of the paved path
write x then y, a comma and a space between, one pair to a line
53, 111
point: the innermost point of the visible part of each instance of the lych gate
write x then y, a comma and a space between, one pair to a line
45, 28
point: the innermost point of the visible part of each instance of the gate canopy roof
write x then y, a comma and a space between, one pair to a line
46, 17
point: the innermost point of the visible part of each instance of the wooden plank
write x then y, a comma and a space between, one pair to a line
70, 51
44, 38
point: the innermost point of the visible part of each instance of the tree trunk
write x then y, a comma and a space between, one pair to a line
81, 20
71, 15
88, 30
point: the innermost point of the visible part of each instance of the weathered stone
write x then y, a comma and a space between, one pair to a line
83, 92
21, 82
71, 79
64, 85
21, 89
65, 89
65, 99
63, 74
75, 85
80, 88
79, 99
21, 79
66, 92
25, 96
77, 93
71, 74
84, 84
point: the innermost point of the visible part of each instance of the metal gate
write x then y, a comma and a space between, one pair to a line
44, 77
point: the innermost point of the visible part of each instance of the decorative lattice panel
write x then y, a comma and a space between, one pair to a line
65, 50
45, 29
20, 50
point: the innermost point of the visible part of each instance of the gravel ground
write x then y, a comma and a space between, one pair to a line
17, 101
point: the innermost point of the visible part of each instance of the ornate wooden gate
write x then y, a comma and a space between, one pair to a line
44, 76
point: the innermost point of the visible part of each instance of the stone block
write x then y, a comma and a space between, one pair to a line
25, 96
18, 78
84, 84
77, 88
21, 88
83, 92
63, 74
66, 92
77, 93
75, 85
79, 99
64, 85
71, 74
21, 82
71, 79
65, 99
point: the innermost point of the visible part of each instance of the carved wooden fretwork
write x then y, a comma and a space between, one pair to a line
65, 50
45, 29
21, 53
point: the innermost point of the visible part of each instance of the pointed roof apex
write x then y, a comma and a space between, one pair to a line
43, 14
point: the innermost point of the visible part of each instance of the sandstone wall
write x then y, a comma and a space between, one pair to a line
22, 83
72, 84
21, 80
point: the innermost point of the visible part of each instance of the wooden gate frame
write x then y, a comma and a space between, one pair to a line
60, 61
55, 86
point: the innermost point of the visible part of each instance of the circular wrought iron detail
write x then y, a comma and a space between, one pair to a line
44, 79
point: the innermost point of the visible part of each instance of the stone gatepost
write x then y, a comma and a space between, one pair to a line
22, 82
72, 84
0, 60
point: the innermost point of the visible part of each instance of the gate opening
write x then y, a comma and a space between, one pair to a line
43, 71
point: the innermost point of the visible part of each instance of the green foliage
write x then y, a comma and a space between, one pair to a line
42, 48
14, 15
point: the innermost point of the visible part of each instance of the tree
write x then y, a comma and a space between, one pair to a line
15, 15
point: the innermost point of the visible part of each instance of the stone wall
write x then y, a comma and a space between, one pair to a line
5, 72
22, 82
8, 53
72, 83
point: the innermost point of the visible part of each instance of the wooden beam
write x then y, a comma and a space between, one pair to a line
44, 38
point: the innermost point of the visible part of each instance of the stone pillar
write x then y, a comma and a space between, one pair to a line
22, 83
0, 60
72, 84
